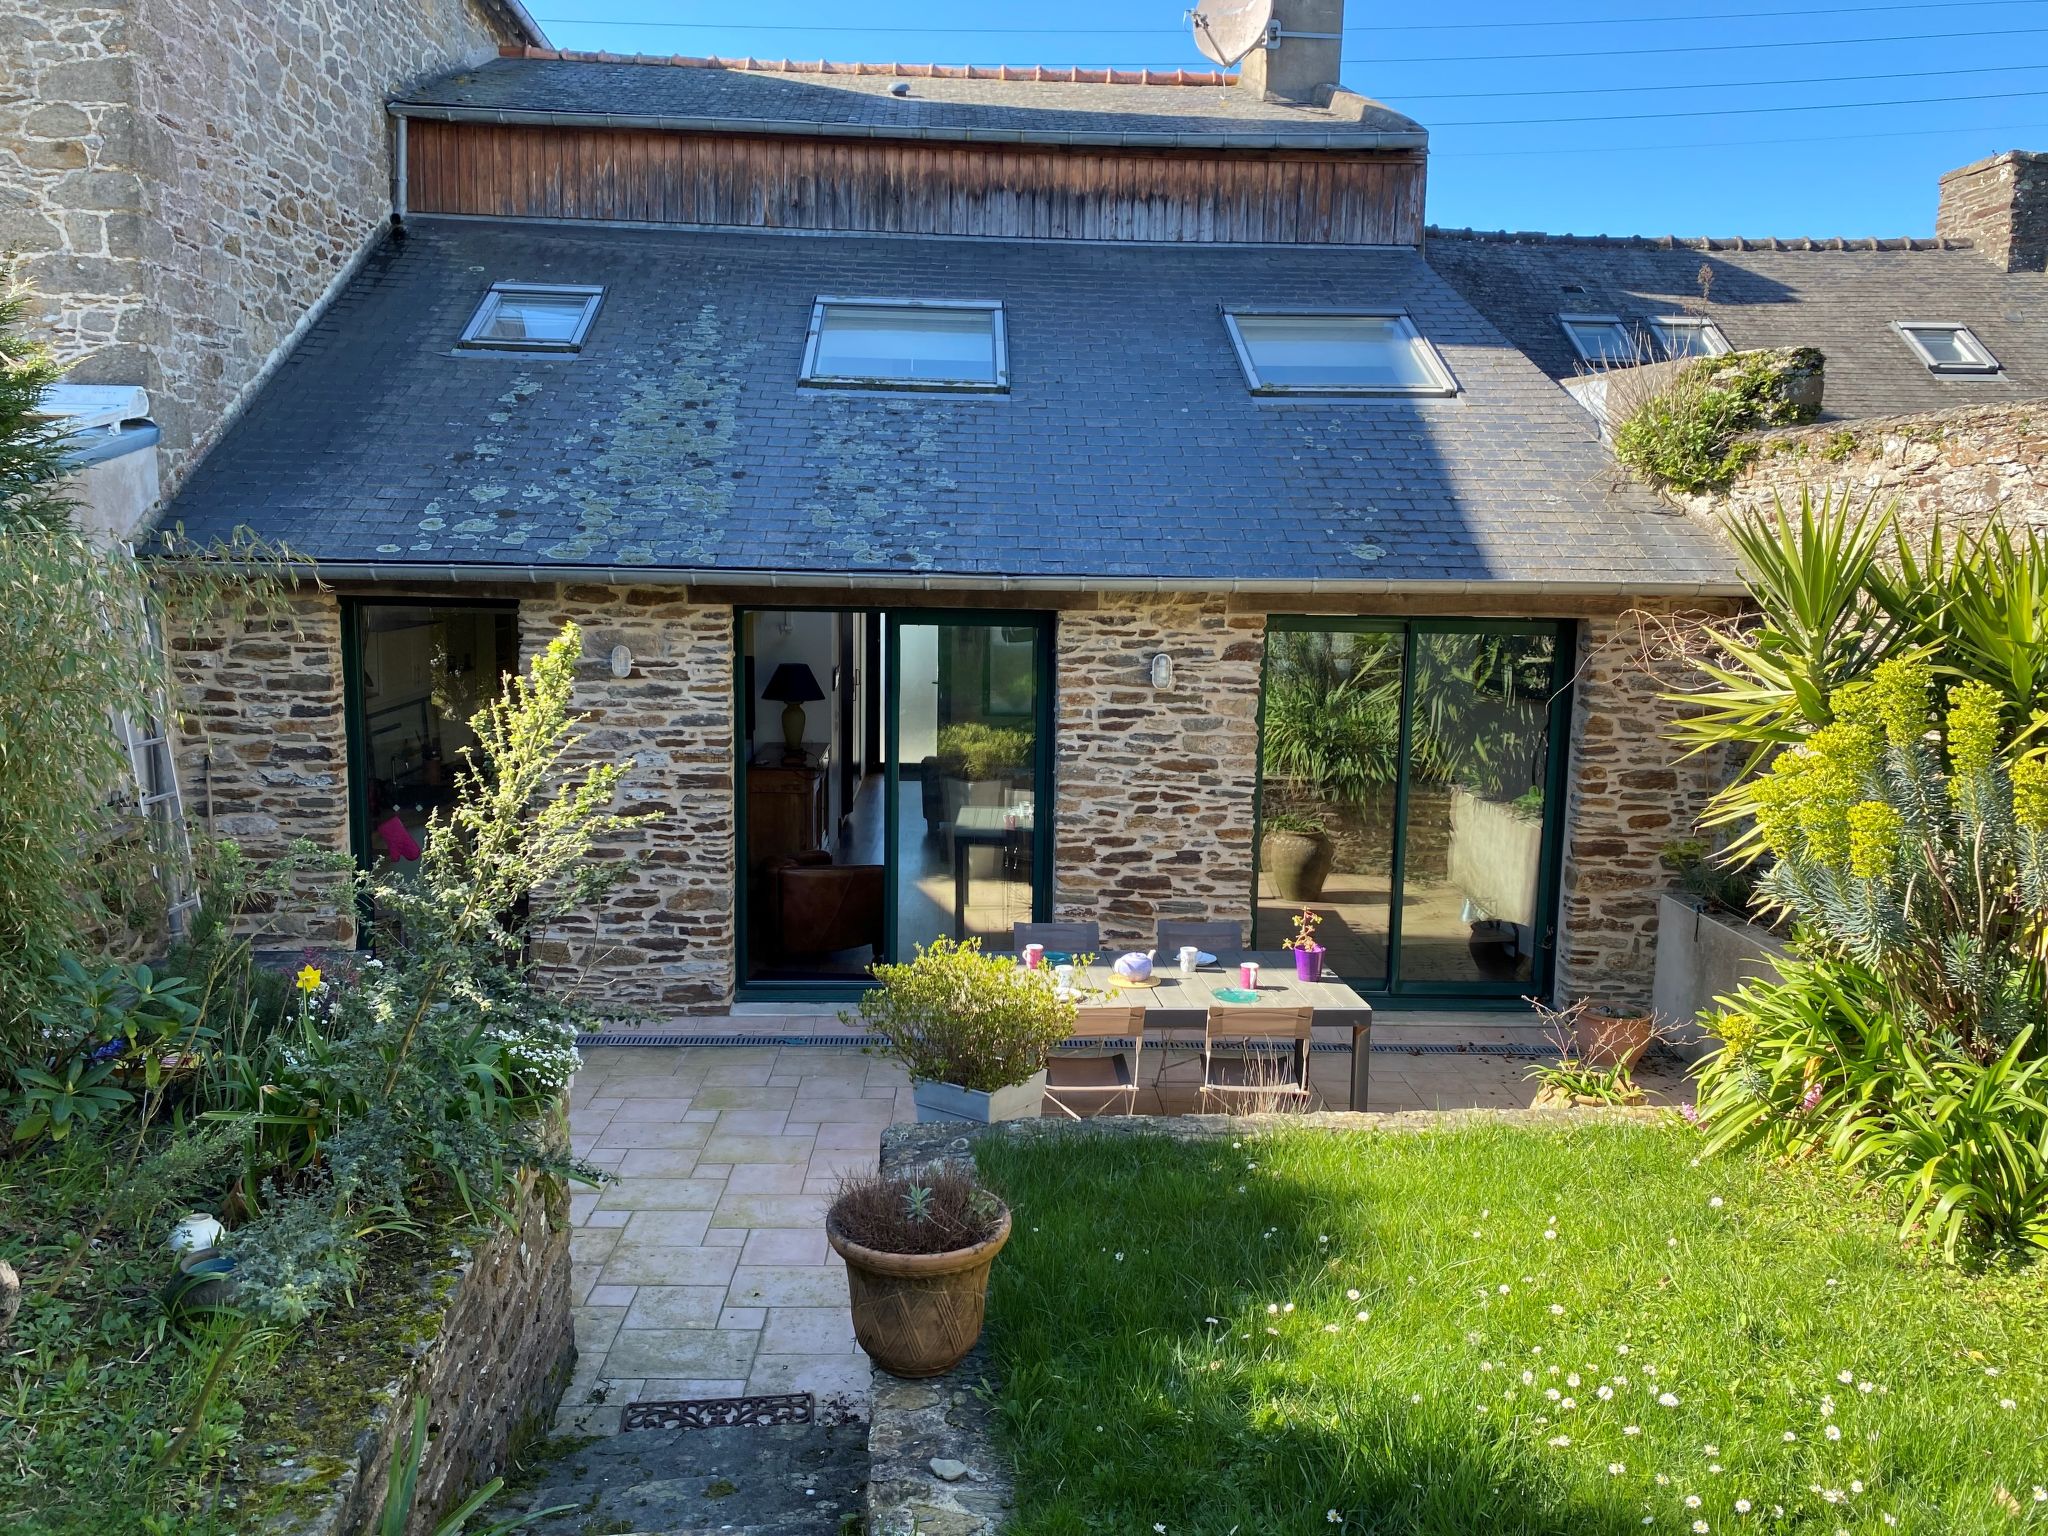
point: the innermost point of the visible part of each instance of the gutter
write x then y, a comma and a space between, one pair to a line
854, 581
796, 127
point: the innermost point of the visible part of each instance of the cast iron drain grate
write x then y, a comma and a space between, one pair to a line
720, 1412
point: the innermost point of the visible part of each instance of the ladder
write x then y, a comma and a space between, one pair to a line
161, 809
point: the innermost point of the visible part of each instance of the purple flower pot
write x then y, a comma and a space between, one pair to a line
1308, 964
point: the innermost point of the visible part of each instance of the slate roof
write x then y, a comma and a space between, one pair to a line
1839, 296
1133, 107
1128, 445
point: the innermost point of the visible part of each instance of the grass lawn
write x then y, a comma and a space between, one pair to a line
1497, 1329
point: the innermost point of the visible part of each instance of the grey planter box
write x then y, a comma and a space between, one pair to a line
941, 1102
1701, 956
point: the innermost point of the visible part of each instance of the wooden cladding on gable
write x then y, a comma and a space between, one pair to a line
884, 186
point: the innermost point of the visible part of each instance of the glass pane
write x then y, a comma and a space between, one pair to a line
967, 732
1330, 754
1683, 340
1605, 345
1479, 753
814, 842
535, 317
1948, 348
425, 672
1335, 351
953, 346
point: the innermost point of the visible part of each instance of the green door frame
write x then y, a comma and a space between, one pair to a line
1395, 991
892, 620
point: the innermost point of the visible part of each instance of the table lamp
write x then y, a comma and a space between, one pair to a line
793, 686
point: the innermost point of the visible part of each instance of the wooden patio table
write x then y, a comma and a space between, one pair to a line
1181, 1003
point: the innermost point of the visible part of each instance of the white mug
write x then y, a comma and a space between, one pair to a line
1190, 960
1064, 974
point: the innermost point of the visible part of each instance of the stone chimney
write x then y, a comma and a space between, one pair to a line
2000, 206
1304, 65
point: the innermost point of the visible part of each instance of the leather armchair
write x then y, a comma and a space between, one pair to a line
821, 907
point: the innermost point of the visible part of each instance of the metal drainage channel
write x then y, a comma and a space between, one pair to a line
1512, 1052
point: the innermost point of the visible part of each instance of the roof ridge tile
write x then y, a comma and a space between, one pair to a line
1039, 73
1707, 243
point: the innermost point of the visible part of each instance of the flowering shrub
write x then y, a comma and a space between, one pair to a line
1913, 852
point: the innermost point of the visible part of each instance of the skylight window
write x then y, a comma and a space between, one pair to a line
1374, 352
907, 344
1947, 348
1603, 341
1688, 336
533, 317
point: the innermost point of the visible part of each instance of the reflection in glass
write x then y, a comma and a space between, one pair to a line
966, 701
1478, 760
914, 345
1332, 739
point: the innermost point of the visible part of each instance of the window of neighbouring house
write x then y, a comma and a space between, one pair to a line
1948, 348
533, 317
1604, 341
907, 344
1313, 352
1689, 336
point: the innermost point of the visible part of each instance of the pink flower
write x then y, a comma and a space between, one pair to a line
1809, 1099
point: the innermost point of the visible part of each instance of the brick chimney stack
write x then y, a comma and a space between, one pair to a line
1307, 61
2000, 206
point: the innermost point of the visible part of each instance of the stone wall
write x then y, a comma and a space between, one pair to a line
1155, 790
663, 943
1961, 465
263, 754
491, 1370
1630, 795
182, 181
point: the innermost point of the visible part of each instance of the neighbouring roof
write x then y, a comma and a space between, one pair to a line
1841, 296
1174, 108
519, 22
1128, 446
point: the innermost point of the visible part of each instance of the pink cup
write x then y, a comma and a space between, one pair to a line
1034, 956
1248, 975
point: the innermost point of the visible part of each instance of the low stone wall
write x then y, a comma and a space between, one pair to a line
491, 1374
1960, 466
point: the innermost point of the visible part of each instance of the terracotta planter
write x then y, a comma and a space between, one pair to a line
1548, 1097
917, 1314
1297, 863
1604, 1040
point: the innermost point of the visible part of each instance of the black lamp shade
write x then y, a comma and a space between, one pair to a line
793, 683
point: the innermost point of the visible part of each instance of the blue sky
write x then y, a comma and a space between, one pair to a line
1680, 104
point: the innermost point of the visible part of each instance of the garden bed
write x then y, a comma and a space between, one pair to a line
1560, 1327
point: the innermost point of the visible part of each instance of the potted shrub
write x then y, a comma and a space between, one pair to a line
973, 1030
918, 1248
1308, 954
1296, 852
1603, 1039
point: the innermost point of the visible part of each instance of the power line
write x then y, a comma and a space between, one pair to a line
1722, 85
1420, 26
1737, 144
1645, 117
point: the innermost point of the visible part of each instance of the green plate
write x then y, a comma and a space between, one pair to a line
1235, 995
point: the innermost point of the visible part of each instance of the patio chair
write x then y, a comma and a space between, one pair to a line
1094, 1076
1074, 938
1214, 937
1249, 1076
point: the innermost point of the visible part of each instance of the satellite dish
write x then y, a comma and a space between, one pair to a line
1227, 30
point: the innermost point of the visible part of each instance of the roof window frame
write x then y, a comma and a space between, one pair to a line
1444, 383
473, 338
810, 378
1718, 344
1989, 367
1567, 321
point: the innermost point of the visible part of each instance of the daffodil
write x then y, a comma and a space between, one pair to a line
309, 979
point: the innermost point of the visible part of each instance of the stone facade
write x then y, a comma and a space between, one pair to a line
184, 181
263, 754
1155, 790
664, 943
1960, 465
2000, 206
1630, 795
490, 1373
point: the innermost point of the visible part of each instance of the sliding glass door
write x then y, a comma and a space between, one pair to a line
854, 850
1409, 790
